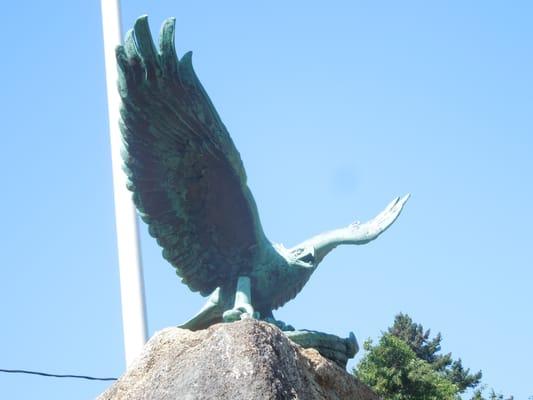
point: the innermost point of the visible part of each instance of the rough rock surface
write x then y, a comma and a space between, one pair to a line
245, 360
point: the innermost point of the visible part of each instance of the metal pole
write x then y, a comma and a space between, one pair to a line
131, 277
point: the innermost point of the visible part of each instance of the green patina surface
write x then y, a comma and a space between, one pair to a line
190, 187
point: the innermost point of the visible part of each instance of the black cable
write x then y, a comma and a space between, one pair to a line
23, 371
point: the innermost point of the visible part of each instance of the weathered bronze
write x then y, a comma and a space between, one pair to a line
189, 185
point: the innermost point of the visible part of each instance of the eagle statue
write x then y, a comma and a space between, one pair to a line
190, 187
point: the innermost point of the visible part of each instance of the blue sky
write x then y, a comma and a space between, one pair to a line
336, 108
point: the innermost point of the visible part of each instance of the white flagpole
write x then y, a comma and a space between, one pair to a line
131, 277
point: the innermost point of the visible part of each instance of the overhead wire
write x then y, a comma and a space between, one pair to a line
24, 371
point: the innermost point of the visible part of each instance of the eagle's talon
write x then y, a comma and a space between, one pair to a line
235, 314
280, 324
232, 315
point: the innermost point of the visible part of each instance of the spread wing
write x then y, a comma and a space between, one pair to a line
186, 175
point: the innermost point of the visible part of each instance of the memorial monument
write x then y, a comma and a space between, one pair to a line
190, 188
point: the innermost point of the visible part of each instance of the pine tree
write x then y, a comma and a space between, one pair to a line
407, 364
394, 372
428, 350
478, 395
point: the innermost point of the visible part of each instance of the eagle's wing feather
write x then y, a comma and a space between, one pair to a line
186, 175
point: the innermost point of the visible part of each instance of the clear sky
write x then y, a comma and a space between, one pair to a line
336, 107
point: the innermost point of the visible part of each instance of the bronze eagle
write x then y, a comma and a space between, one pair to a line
190, 187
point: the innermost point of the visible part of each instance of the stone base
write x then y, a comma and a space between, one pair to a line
245, 360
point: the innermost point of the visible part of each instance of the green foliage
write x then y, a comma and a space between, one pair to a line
478, 395
413, 334
407, 364
395, 372
427, 349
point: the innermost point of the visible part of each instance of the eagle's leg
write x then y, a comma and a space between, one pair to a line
243, 302
208, 314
